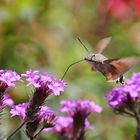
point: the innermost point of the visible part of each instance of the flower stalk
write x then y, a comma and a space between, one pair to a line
15, 131
78, 130
137, 135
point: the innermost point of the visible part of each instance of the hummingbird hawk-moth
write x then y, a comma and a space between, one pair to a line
112, 69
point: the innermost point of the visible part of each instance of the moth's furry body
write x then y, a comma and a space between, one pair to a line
101, 63
96, 58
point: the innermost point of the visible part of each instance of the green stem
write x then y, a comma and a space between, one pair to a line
39, 132
15, 131
137, 135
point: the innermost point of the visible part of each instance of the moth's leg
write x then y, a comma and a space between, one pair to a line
93, 68
117, 81
121, 79
108, 76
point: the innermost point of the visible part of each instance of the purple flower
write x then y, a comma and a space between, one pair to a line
63, 126
33, 78
57, 86
7, 80
116, 97
9, 77
132, 86
125, 99
78, 111
44, 85
46, 115
44, 81
84, 107
45, 118
126, 96
7, 101
19, 110
88, 125
1, 72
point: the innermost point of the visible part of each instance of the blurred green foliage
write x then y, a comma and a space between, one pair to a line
42, 35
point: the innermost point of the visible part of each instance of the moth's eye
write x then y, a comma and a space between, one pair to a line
93, 55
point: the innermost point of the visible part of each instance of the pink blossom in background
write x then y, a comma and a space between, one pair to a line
124, 10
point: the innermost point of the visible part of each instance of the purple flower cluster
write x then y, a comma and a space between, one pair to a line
84, 107
44, 85
36, 116
20, 109
63, 127
126, 100
33, 113
44, 116
73, 125
40, 80
8, 79
126, 96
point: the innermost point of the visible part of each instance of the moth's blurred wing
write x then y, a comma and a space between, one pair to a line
114, 68
109, 71
102, 44
124, 64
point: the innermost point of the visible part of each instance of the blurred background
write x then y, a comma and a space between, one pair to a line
42, 35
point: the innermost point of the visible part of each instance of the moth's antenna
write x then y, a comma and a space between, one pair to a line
83, 45
70, 67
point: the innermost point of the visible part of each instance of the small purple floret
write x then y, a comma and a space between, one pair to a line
9, 77
46, 114
63, 125
57, 87
7, 101
19, 110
